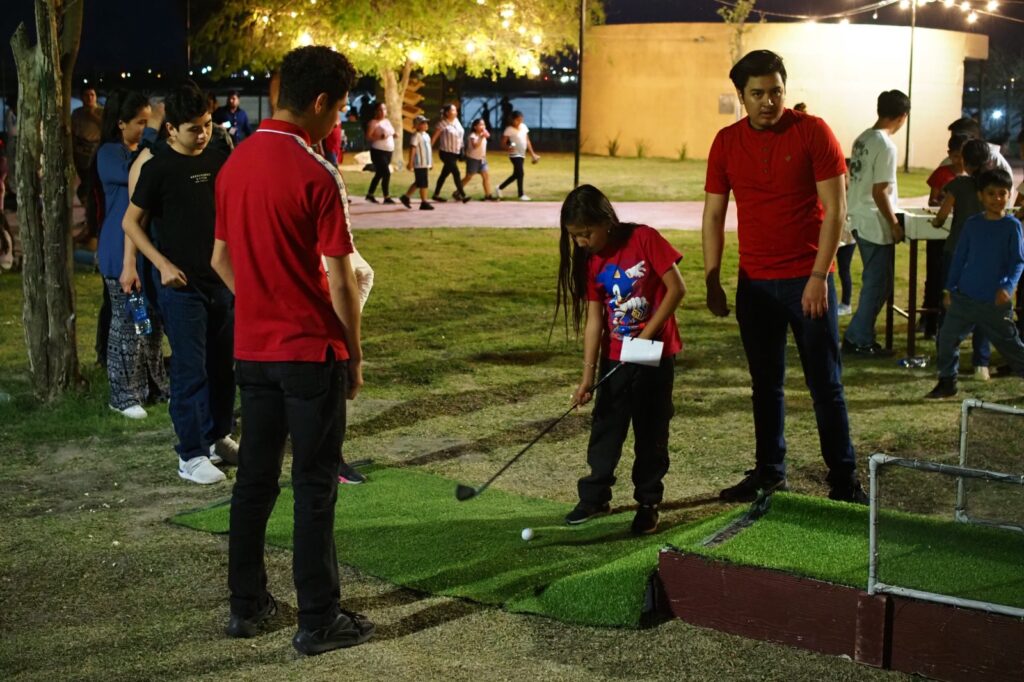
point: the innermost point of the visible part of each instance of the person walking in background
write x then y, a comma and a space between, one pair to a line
871, 207
516, 141
282, 210
135, 364
86, 125
786, 170
476, 157
421, 159
448, 139
233, 118
381, 135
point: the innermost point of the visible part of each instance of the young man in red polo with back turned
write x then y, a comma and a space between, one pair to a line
280, 208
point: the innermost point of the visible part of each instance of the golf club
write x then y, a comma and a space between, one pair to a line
465, 492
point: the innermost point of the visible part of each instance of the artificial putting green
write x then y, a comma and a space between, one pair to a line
406, 527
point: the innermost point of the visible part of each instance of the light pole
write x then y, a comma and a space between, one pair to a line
579, 95
910, 81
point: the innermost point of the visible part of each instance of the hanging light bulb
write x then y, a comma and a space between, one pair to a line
992, 5
972, 17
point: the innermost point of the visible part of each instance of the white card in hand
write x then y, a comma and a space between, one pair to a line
641, 351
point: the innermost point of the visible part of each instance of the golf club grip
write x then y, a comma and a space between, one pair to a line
544, 431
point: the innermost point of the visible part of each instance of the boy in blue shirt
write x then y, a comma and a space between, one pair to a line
987, 265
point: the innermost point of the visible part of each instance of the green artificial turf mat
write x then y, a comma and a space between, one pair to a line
406, 527
828, 540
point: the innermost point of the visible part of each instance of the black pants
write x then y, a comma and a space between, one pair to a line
103, 328
381, 171
451, 167
933, 284
517, 174
304, 400
641, 395
844, 256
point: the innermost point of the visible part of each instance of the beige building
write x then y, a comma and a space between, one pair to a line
665, 85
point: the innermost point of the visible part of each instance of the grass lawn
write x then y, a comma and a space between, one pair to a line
95, 584
621, 178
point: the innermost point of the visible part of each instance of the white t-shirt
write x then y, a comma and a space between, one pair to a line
873, 160
475, 152
517, 139
374, 130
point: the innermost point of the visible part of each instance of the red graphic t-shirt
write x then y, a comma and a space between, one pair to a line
627, 279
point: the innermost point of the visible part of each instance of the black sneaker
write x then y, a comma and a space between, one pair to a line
388, 200
646, 520
752, 484
242, 627
584, 512
405, 201
371, 199
946, 388
348, 474
851, 491
425, 206
348, 629
440, 199
873, 350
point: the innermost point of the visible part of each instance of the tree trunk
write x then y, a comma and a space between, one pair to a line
394, 94
44, 190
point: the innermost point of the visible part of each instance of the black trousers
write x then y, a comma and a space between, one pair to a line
381, 161
450, 167
304, 400
103, 328
517, 174
933, 284
641, 395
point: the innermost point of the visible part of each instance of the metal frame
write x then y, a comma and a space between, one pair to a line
879, 460
960, 511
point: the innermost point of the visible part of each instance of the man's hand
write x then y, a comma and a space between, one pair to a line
897, 232
584, 392
1002, 297
172, 276
355, 378
716, 300
815, 299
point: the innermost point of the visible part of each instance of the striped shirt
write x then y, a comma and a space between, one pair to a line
422, 155
451, 137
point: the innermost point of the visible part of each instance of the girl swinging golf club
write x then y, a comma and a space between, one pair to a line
619, 281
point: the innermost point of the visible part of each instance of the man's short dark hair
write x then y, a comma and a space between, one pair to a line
186, 102
85, 89
967, 126
893, 104
976, 154
232, 93
994, 177
308, 71
756, 63
956, 142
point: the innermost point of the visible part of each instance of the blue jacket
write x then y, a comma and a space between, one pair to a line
113, 161
988, 256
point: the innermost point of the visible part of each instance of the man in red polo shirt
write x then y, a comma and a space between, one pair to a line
787, 172
280, 208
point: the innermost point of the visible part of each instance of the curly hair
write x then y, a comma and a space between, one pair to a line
308, 71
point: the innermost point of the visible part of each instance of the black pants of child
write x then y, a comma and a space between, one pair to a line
641, 395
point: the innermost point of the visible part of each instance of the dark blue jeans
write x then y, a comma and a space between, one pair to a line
766, 310
200, 328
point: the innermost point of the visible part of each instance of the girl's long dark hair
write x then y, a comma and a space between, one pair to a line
585, 206
121, 105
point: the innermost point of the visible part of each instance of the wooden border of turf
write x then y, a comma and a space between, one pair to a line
911, 636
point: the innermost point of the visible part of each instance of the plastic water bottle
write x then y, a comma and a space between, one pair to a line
136, 309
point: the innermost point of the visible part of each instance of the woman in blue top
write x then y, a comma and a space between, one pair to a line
134, 363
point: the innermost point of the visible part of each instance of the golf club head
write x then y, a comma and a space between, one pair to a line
464, 492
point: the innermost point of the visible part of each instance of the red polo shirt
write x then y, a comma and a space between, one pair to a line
773, 173
279, 207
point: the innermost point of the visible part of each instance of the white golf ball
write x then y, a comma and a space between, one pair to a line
527, 534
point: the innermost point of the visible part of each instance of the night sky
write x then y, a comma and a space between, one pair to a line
120, 34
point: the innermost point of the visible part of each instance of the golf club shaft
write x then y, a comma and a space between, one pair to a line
544, 431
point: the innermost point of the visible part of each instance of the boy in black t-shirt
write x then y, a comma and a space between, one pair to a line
176, 188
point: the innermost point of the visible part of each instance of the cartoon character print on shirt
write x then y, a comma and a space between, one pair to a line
860, 150
628, 313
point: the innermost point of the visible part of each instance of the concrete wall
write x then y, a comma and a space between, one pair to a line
662, 83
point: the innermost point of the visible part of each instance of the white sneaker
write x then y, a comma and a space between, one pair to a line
497, 193
224, 450
525, 198
982, 374
133, 412
200, 470
842, 310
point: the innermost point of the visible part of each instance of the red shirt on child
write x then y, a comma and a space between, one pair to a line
279, 207
772, 173
627, 279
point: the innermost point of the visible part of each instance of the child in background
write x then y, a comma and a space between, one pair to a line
420, 160
476, 157
963, 200
986, 268
516, 141
622, 279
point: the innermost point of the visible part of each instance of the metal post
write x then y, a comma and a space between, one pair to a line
579, 95
872, 523
188, 34
910, 81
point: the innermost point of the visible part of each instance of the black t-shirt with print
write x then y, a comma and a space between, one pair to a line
177, 191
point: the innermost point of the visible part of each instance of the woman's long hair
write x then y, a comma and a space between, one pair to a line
121, 105
585, 206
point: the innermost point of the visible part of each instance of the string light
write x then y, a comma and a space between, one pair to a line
305, 39
992, 5
904, 4
415, 56
972, 17
949, 3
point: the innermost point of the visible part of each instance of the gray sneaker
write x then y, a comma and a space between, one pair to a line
200, 470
